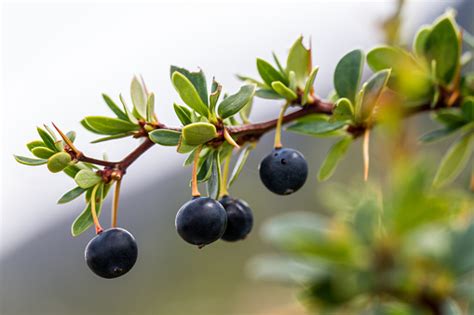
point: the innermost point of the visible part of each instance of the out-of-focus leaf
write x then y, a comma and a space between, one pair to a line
316, 125
372, 91
461, 258
199, 133
29, 161
454, 160
451, 117
165, 137
299, 61
344, 110
188, 93
251, 80
197, 78
451, 307
348, 73
239, 164
278, 63
467, 109
139, 97
284, 91
232, 104
269, 74
419, 43
71, 195
335, 154
114, 107
87, 178
108, 126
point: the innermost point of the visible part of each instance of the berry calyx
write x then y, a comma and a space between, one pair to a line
239, 219
283, 171
201, 221
112, 253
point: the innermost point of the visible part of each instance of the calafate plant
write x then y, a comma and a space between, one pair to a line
215, 126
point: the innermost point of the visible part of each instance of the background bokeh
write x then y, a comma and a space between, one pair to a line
58, 58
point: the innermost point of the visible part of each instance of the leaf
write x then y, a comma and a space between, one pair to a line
277, 62
29, 161
467, 109
189, 94
299, 61
71, 195
42, 152
372, 91
437, 134
309, 85
58, 162
214, 97
108, 126
454, 160
214, 184
462, 255
284, 91
150, 108
184, 147
268, 73
199, 133
165, 137
139, 97
35, 144
335, 154
114, 107
251, 80
47, 139
245, 112
267, 94
71, 136
451, 117
198, 79
348, 73
117, 136
316, 125
234, 103
84, 220
184, 114
239, 164
443, 47
71, 170
205, 167
87, 178
130, 116
419, 43
344, 110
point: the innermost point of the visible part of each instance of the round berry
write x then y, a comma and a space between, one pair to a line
283, 171
239, 219
201, 221
112, 253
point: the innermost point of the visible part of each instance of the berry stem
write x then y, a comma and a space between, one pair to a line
115, 202
277, 144
225, 175
365, 148
194, 183
98, 227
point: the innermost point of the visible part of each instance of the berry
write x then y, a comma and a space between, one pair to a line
201, 221
283, 171
239, 219
112, 253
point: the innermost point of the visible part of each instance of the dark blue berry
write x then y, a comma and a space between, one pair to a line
201, 221
239, 219
112, 253
283, 171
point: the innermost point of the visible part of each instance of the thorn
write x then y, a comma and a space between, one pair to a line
229, 139
67, 140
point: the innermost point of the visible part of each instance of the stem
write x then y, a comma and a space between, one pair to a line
115, 202
277, 144
225, 175
365, 148
194, 184
98, 227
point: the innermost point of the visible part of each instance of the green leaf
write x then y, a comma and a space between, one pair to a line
268, 73
108, 126
239, 164
348, 73
184, 147
189, 94
454, 160
316, 125
267, 94
214, 97
198, 79
385, 57
59, 161
130, 116
462, 255
71, 195
467, 109
234, 103
277, 62
245, 112
443, 47
184, 114
114, 107
450, 117
71, 170
214, 183
42, 152
87, 178
251, 80
84, 220
335, 154
343, 111
165, 137
309, 85
205, 167
437, 134
47, 139
419, 43
114, 137
150, 108
139, 97
29, 161
372, 91
199, 133
284, 91
35, 144
299, 61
